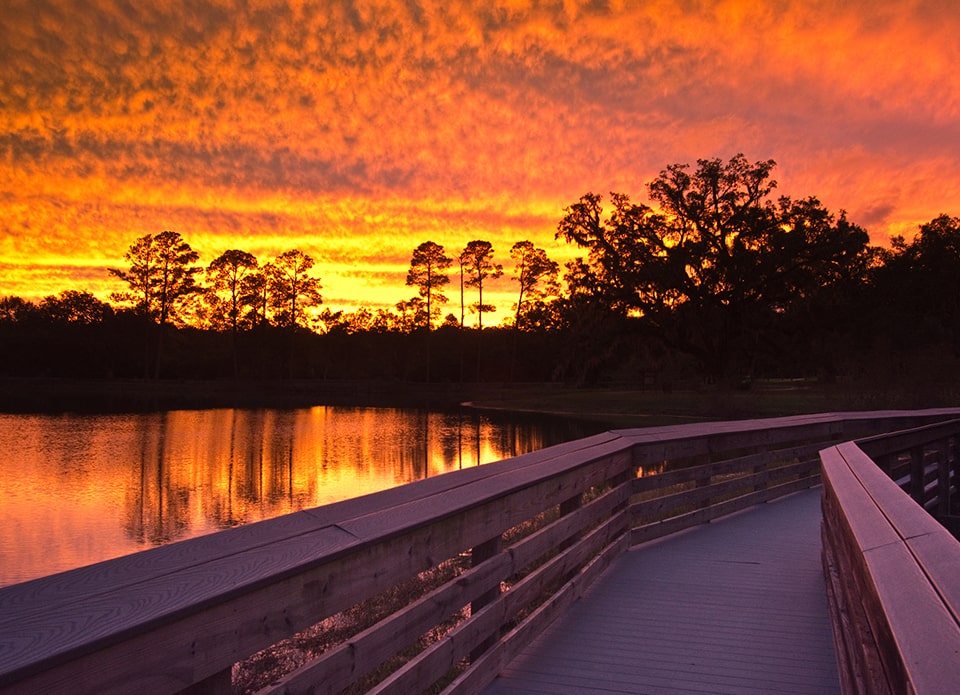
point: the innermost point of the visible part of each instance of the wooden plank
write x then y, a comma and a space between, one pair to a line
339, 667
18, 601
680, 522
555, 483
894, 442
439, 658
906, 517
726, 467
926, 637
114, 575
669, 503
483, 670
718, 609
858, 511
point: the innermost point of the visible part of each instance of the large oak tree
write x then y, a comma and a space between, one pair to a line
713, 261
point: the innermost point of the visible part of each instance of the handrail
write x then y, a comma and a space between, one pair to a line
545, 524
892, 570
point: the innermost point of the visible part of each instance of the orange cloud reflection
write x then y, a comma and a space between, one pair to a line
80, 489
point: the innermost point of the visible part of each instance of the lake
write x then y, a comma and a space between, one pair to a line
78, 489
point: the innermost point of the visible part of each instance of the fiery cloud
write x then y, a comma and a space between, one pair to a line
355, 129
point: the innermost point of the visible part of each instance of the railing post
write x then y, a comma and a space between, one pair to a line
567, 507
943, 478
916, 474
953, 466
217, 684
705, 481
482, 552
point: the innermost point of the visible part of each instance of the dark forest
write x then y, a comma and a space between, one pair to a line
715, 281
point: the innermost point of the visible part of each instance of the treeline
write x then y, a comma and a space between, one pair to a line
714, 279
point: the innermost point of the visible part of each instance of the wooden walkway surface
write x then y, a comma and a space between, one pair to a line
734, 606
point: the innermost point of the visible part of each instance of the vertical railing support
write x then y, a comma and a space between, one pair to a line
943, 478
567, 507
916, 474
217, 684
480, 553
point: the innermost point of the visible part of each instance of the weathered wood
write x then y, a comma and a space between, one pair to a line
702, 495
170, 618
729, 466
482, 671
658, 529
337, 668
442, 656
895, 605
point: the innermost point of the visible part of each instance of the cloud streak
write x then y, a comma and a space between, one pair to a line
356, 130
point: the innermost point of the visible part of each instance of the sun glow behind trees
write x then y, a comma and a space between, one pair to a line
354, 131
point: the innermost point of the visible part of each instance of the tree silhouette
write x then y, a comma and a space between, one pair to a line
537, 276
74, 306
159, 277
478, 265
919, 283
292, 289
226, 274
255, 294
426, 274
717, 261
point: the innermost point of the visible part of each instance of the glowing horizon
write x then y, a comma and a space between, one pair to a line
356, 130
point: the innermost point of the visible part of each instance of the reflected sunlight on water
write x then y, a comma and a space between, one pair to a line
77, 489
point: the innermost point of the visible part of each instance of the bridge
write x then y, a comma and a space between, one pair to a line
827, 566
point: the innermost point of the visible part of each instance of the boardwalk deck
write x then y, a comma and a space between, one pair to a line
734, 606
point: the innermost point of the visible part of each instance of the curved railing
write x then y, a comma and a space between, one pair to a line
502, 548
892, 569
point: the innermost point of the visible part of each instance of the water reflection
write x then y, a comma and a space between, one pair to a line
77, 489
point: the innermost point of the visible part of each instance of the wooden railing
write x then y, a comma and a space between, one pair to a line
521, 539
892, 570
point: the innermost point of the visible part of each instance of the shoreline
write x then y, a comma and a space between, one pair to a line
619, 406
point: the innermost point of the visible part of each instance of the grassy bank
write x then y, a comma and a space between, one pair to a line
639, 408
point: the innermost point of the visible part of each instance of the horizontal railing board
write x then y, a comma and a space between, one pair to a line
727, 466
442, 656
362, 653
119, 573
883, 444
936, 551
381, 522
481, 671
191, 589
665, 527
678, 500
902, 567
860, 514
906, 517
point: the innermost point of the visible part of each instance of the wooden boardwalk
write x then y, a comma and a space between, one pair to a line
734, 606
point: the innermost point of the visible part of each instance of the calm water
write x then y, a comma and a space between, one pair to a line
77, 489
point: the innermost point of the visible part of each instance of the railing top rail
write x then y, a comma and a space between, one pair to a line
902, 440
640, 435
908, 563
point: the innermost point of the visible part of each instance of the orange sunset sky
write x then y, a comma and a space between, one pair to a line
356, 130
